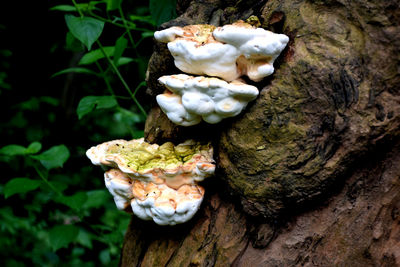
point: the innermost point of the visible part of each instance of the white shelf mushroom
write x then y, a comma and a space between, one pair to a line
227, 52
192, 99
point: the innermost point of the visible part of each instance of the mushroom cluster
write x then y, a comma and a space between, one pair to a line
155, 182
227, 52
160, 183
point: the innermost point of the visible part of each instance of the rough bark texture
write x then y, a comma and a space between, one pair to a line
309, 174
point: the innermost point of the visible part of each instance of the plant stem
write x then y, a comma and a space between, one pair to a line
122, 97
103, 75
77, 8
112, 63
113, 94
47, 181
116, 23
121, 13
138, 87
106, 20
126, 86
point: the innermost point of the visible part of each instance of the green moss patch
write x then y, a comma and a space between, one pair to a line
143, 156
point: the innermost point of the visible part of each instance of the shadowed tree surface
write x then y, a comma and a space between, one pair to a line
309, 173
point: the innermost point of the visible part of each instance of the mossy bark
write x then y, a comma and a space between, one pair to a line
309, 173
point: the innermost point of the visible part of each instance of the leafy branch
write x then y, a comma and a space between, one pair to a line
87, 29
48, 206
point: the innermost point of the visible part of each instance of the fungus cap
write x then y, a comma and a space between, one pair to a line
150, 201
227, 52
173, 165
155, 182
120, 187
189, 99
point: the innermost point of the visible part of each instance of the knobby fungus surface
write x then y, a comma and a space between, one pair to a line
190, 99
227, 52
155, 182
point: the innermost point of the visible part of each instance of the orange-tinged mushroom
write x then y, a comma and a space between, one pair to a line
156, 182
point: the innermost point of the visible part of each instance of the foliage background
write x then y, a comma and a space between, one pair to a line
55, 210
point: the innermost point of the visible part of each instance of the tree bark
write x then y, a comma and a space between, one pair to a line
309, 174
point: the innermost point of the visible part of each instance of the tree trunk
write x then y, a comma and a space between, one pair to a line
309, 174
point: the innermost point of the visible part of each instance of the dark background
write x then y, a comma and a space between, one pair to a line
37, 107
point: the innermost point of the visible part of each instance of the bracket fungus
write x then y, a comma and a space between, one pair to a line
155, 182
227, 52
190, 99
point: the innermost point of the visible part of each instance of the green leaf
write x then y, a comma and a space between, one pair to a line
89, 103
41, 171
90, 6
147, 34
17, 150
113, 4
95, 55
31, 104
102, 227
65, 8
124, 61
84, 239
126, 123
20, 185
162, 10
123, 224
120, 46
18, 120
76, 70
54, 157
113, 237
85, 29
147, 19
105, 257
73, 44
11, 223
59, 186
96, 199
128, 117
34, 148
50, 100
76, 201
77, 251
61, 236
13, 150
